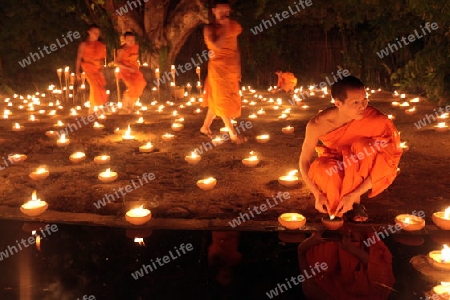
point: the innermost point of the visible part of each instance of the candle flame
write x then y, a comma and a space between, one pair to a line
139, 241
17, 125
108, 172
117, 70
447, 213
332, 217
445, 254
63, 138
194, 154
293, 173
294, 218
209, 180
407, 220
41, 170
33, 196
149, 145
441, 125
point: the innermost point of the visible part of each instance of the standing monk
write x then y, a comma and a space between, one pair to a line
360, 150
91, 55
127, 61
224, 71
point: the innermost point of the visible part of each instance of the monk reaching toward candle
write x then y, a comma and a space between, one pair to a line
127, 61
224, 71
286, 81
90, 57
359, 151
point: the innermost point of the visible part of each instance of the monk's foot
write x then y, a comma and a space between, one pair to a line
359, 213
206, 131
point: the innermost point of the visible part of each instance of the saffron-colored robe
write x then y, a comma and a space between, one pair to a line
346, 277
92, 64
135, 82
370, 146
287, 81
224, 74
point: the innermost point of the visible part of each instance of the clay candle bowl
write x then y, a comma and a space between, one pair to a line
102, 159
17, 158
332, 222
177, 126
442, 290
193, 159
98, 126
146, 148
442, 219
287, 130
262, 139
167, 137
410, 111
77, 157
34, 207
59, 124
138, 216
251, 161
40, 174
51, 133
410, 222
127, 136
62, 141
292, 221
17, 127
440, 259
107, 176
207, 184
33, 119
289, 180
441, 127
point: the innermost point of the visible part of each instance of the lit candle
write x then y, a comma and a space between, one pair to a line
102, 159
177, 126
440, 259
403, 96
395, 103
262, 139
138, 216
442, 290
59, 124
51, 133
17, 127
391, 117
167, 137
62, 141
77, 157
410, 222
107, 176
207, 184
292, 221
441, 127
18, 158
127, 136
287, 130
283, 117
404, 146
34, 207
289, 180
252, 160
146, 148
332, 222
410, 111
98, 126
253, 116
404, 104
33, 119
140, 120
444, 116
442, 219
193, 158
41, 173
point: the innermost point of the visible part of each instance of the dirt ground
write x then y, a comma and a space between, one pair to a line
422, 184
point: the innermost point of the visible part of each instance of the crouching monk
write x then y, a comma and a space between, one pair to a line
286, 81
359, 150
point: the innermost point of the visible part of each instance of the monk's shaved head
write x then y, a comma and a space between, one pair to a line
340, 88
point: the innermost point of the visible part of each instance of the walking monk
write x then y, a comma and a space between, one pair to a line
360, 150
91, 55
224, 71
127, 61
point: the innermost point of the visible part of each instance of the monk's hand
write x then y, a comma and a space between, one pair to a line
346, 203
321, 201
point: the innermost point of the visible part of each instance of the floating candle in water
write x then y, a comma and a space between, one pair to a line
98, 126
177, 126
62, 141
102, 159
167, 137
287, 130
207, 184
289, 180
138, 216
292, 221
107, 176
252, 160
442, 219
262, 139
441, 127
193, 158
146, 148
77, 157
41, 173
34, 207
127, 136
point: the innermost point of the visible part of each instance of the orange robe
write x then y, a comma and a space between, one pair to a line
370, 146
287, 81
92, 64
224, 74
346, 277
135, 82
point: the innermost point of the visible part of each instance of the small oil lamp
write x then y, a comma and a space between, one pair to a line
207, 184
34, 207
292, 221
107, 176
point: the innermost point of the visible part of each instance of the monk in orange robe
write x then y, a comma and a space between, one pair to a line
90, 57
353, 270
286, 81
127, 61
224, 71
360, 150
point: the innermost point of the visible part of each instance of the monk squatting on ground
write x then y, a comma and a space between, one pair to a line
359, 150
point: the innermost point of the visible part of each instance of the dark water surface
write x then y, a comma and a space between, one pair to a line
76, 261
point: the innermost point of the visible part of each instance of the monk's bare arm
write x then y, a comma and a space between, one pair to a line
78, 60
307, 154
118, 60
216, 44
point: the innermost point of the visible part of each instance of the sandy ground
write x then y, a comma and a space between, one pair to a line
422, 183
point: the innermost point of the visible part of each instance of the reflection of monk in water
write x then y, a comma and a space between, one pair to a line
355, 271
